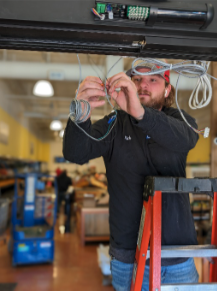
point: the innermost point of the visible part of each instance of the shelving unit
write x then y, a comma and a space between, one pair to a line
201, 208
6, 183
94, 224
9, 167
201, 204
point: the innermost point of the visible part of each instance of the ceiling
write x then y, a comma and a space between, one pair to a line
41, 111
21, 69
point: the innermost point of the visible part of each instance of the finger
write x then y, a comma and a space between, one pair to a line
94, 98
114, 95
86, 94
95, 104
93, 79
107, 87
90, 84
120, 83
116, 77
111, 87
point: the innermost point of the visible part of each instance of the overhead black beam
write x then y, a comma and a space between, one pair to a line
175, 29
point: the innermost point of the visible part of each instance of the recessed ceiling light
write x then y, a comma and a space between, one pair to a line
56, 125
43, 88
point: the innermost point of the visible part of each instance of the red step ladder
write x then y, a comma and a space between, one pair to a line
150, 231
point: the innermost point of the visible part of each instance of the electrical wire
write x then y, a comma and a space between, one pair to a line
195, 69
97, 14
78, 114
94, 66
204, 82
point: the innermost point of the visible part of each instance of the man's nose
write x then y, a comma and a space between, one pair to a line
144, 83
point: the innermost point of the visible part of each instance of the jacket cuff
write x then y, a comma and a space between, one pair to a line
148, 121
85, 125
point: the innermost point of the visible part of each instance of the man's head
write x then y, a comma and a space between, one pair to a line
154, 90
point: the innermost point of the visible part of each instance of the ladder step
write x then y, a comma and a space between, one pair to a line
192, 251
189, 287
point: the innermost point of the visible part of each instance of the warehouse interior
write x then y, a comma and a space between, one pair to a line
29, 145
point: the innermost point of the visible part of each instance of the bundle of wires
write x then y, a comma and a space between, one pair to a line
97, 14
78, 115
189, 69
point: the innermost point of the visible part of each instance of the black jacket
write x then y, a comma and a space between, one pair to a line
156, 145
63, 182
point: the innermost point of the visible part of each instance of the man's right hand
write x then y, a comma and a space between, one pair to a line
91, 89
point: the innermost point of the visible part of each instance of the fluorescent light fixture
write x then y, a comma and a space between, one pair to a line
61, 133
43, 88
56, 125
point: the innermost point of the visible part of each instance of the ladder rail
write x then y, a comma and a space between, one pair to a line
142, 247
155, 243
213, 267
153, 194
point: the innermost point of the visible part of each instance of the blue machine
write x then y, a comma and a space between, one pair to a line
32, 236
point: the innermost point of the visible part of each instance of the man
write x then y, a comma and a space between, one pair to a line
149, 139
63, 182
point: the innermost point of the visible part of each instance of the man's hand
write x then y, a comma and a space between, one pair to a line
91, 89
127, 99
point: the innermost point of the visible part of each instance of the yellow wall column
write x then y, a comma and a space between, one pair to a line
21, 143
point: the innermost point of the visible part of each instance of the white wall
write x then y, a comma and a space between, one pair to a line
56, 150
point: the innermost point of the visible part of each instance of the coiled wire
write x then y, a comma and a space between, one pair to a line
78, 114
189, 69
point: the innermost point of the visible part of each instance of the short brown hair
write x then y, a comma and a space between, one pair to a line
171, 98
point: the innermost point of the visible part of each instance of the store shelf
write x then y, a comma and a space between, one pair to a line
201, 207
207, 198
201, 211
93, 224
6, 183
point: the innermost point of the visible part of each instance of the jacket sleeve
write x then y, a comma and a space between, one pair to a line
79, 148
170, 131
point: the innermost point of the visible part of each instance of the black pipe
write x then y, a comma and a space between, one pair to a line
176, 16
200, 19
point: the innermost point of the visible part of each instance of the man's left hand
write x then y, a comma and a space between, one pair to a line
127, 99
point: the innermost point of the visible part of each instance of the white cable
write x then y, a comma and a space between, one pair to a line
196, 69
204, 83
80, 77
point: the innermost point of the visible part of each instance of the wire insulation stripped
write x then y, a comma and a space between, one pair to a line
97, 14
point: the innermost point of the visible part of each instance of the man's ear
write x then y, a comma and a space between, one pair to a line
167, 91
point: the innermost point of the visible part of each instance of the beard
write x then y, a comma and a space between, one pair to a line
156, 103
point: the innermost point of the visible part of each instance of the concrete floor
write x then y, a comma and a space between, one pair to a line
75, 268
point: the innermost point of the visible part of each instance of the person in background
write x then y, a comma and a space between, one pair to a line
58, 171
150, 138
63, 182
